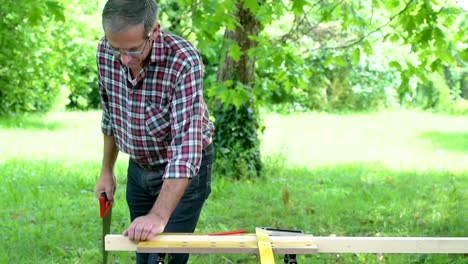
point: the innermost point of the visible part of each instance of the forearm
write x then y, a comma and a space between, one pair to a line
171, 192
106, 181
110, 154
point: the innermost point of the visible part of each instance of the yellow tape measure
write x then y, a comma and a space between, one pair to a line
264, 246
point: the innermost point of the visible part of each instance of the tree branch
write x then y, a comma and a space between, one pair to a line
290, 34
359, 40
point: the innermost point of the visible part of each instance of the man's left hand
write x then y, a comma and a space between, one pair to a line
144, 228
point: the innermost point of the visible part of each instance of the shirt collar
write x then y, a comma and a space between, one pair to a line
157, 51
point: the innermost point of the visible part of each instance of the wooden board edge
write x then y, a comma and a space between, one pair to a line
311, 245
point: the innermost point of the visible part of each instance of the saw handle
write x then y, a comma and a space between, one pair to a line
104, 204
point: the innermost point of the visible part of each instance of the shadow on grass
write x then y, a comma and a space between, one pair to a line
29, 123
457, 142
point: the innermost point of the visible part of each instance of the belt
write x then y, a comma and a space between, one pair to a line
150, 167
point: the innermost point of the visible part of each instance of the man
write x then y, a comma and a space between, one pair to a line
153, 109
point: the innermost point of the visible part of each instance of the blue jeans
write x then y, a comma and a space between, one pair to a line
143, 189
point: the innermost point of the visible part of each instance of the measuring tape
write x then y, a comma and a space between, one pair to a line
264, 246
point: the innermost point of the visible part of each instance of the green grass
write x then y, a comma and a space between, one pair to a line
397, 140
387, 174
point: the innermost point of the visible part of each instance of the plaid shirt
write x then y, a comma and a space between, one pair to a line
163, 118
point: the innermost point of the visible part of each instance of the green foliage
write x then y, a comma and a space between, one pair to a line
46, 63
29, 79
80, 39
432, 93
326, 80
329, 64
431, 32
238, 147
339, 36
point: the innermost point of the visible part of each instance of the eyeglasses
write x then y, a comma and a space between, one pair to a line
119, 53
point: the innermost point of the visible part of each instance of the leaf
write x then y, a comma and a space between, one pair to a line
395, 38
56, 9
339, 60
464, 54
392, 4
218, 90
396, 65
35, 16
436, 65
356, 55
367, 47
425, 37
240, 95
252, 5
235, 52
298, 7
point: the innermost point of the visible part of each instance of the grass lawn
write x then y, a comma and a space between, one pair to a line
383, 174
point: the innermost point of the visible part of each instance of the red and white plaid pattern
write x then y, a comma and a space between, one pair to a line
163, 118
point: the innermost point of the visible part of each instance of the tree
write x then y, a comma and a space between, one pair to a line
47, 55
25, 84
257, 63
236, 73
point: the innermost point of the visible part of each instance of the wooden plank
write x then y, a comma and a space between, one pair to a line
119, 243
264, 246
183, 245
432, 245
218, 244
306, 244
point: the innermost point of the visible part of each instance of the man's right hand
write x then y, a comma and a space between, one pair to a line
106, 183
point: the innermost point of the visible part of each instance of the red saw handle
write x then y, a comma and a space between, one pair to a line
104, 205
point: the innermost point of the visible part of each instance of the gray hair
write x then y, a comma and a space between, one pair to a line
119, 15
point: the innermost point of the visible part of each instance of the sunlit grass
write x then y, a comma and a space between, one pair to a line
397, 140
57, 136
387, 174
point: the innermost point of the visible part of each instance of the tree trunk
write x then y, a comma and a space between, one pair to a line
464, 85
236, 136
